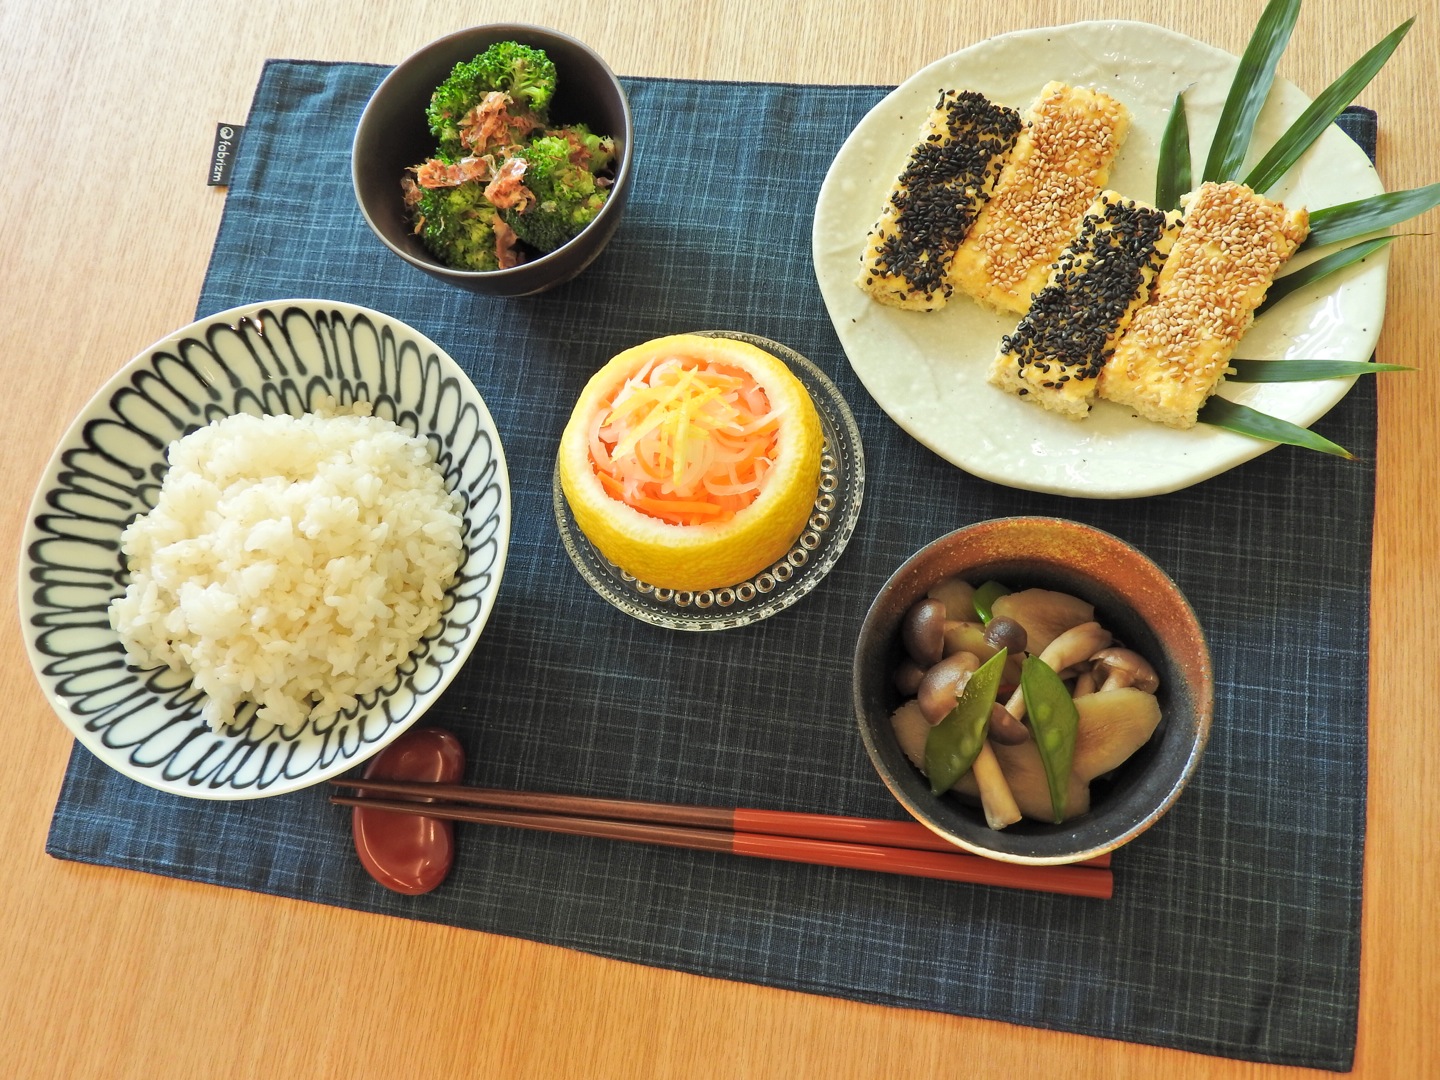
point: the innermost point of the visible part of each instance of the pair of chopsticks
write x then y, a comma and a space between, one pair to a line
894, 847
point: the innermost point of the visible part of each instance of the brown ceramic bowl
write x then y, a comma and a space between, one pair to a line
1133, 598
393, 135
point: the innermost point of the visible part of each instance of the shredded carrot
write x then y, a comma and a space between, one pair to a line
685, 441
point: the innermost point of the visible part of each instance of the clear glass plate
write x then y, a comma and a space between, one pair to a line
814, 552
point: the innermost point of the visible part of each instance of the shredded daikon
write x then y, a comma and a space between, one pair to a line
685, 441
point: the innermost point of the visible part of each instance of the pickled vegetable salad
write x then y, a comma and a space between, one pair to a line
686, 442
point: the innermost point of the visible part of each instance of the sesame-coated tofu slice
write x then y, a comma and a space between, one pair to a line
1060, 163
1177, 348
934, 201
1055, 355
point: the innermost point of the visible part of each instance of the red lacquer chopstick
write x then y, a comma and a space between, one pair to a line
894, 847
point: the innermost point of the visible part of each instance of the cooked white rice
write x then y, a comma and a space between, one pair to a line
290, 561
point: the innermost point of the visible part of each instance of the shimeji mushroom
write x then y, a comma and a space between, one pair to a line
1114, 668
996, 798
942, 684
922, 631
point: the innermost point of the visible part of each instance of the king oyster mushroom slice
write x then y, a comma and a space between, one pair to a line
1043, 613
958, 596
1112, 725
911, 731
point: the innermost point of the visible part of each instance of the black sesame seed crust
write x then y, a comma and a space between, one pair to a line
942, 188
1073, 320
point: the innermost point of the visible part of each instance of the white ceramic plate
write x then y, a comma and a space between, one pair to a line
927, 369
282, 356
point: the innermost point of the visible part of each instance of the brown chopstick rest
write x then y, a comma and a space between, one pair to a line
406, 852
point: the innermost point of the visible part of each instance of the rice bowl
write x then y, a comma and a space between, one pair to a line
283, 357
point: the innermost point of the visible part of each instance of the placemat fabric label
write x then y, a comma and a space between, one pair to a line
222, 153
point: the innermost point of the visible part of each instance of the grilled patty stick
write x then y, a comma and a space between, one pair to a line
1176, 349
933, 203
1060, 162
1055, 355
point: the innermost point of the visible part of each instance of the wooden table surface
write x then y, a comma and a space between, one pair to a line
109, 110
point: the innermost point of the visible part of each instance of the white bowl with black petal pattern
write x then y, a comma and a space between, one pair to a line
284, 356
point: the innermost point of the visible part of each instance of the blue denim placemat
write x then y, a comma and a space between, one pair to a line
1235, 925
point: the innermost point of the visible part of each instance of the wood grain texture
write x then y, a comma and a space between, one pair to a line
111, 108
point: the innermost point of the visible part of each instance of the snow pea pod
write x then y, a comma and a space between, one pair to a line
953, 744
1053, 722
985, 596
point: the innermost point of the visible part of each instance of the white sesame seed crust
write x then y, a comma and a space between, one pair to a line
1176, 350
1060, 162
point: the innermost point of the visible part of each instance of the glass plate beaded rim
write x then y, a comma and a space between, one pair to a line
815, 551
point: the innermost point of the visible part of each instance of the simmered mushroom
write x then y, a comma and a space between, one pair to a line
1115, 668
908, 676
938, 689
1005, 729
1113, 725
1113, 690
970, 637
1043, 613
1074, 645
1003, 633
958, 596
923, 631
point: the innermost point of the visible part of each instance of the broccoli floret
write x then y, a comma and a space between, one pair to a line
525, 73
567, 197
457, 224
595, 152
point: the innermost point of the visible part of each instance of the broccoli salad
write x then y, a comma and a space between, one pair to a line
503, 183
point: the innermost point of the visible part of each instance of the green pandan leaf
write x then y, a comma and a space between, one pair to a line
1222, 413
1345, 221
1172, 177
1307, 275
1250, 88
1270, 371
1322, 112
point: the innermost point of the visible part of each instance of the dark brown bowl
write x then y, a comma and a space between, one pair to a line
1133, 598
393, 135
